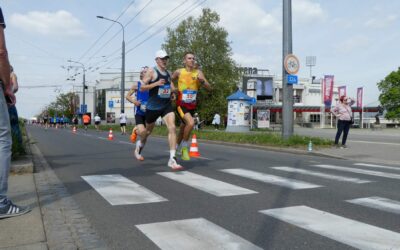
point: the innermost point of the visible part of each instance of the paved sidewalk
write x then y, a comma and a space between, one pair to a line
25, 231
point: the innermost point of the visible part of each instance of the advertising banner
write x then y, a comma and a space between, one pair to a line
263, 118
328, 90
342, 91
359, 97
238, 113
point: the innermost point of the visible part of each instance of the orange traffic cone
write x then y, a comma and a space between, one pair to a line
110, 135
74, 130
194, 149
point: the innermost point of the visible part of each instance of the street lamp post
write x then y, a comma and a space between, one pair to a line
123, 62
84, 82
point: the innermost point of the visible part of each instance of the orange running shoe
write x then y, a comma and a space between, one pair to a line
133, 135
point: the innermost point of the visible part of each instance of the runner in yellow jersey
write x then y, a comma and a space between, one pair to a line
190, 79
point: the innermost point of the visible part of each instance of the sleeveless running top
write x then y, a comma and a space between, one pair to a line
159, 97
188, 87
143, 97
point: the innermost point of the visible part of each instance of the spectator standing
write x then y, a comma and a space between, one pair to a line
216, 121
7, 98
12, 110
344, 115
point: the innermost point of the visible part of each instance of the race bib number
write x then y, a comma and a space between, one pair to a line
143, 106
189, 96
164, 91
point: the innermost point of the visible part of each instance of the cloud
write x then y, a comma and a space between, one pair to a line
379, 23
60, 23
353, 43
305, 11
248, 21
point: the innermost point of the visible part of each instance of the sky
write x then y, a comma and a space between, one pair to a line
356, 41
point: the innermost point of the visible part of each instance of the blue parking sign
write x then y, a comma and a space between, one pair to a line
292, 79
111, 104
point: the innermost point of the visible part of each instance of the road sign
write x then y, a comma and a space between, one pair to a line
253, 101
292, 79
111, 104
83, 108
292, 64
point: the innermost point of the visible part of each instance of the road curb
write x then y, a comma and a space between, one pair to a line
66, 227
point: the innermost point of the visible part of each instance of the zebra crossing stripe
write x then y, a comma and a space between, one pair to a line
322, 175
271, 179
377, 166
212, 186
118, 190
197, 233
359, 171
353, 233
379, 203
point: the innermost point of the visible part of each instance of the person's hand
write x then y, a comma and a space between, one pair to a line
10, 97
161, 82
137, 103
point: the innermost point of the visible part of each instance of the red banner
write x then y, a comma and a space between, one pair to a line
359, 97
342, 91
328, 90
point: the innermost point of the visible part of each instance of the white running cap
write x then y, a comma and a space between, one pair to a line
161, 54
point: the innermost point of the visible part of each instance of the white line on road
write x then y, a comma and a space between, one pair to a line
372, 142
196, 233
212, 186
271, 179
322, 175
118, 190
359, 171
125, 142
377, 166
353, 233
379, 203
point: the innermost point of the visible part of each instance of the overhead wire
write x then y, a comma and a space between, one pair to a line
176, 18
119, 31
101, 36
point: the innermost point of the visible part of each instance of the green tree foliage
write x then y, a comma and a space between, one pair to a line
390, 95
209, 43
65, 104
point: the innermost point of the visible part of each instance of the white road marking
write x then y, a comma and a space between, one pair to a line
372, 142
118, 190
206, 184
353, 233
128, 143
197, 233
271, 179
379, 203
322, 175
359, 171
377, 166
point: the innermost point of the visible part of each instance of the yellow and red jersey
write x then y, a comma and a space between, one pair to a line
188, 87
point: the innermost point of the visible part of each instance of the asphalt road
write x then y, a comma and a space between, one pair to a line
206, 208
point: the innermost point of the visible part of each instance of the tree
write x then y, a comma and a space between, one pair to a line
208, 42
390, 95
65, 104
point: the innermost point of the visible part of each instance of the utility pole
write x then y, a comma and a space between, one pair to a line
84, 83
287, 102
123, 62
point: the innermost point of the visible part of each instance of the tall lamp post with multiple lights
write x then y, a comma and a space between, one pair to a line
83, 82
123, 62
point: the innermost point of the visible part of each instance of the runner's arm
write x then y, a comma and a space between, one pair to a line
131, 95
204, 81
147, 79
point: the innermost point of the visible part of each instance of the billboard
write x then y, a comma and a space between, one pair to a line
263, 118
259, 87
